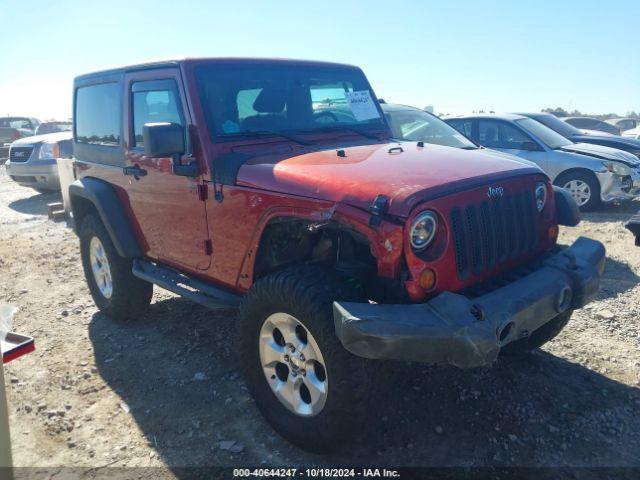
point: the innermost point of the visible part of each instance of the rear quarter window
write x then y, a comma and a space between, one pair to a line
98, 114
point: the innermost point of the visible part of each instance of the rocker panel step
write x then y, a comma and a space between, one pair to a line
183, 285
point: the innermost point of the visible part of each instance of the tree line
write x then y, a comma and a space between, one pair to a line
561, 112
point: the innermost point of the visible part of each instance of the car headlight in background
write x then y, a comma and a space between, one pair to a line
48, 151
541, 195
423, 230
617, 168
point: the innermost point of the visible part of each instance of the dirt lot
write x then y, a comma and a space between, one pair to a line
166, 391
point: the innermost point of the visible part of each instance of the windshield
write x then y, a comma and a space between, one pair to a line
417, 125
551, 138
557, 125
53, 127
243, 99
10, 122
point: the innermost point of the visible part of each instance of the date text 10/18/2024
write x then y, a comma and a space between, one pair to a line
315, 473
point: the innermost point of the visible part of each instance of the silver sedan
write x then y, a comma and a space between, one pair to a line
592, 173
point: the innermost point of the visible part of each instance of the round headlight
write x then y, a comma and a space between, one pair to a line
423, 229
541, 195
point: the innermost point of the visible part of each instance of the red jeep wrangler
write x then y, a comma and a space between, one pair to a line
275, 185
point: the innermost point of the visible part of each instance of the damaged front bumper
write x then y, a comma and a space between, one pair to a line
614, 187
453, 329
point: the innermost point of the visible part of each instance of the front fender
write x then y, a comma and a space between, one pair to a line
105, 200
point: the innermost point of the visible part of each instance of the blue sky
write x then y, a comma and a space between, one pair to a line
458, 56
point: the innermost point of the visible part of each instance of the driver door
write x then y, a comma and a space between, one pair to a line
168, 208
502, 136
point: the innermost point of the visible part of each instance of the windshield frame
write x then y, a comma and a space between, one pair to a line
374, 128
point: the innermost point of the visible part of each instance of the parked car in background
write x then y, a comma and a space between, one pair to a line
624, 124
53, 127
634, 133
591, 173
32, 160
13, 128
413, 124
588, 123
599, 138
633, 225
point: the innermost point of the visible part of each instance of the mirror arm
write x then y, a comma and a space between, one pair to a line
190, 169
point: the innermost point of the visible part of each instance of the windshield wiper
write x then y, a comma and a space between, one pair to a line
264, 133
470, 147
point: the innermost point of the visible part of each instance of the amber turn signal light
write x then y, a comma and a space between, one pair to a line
553, 232
427, 279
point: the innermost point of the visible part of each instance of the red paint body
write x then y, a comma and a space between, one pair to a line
284, 178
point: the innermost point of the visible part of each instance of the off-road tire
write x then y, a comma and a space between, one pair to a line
539, 337
131, 296
594, 201
307, 293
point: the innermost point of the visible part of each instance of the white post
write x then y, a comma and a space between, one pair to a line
5, 440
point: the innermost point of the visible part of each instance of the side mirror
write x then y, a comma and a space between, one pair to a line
163, 139
530, 147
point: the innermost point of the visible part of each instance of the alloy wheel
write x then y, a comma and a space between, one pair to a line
580, 191
293, 365
100, 267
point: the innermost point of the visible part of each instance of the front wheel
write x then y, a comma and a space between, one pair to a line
114, 288
308, 387
583, 187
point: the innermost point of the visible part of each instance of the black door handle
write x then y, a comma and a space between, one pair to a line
135, 171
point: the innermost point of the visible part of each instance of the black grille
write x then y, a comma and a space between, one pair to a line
493, 231
20, 154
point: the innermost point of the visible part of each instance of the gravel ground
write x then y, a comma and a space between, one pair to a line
165, 391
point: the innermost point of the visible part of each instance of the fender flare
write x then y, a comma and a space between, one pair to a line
567, 209
106, 202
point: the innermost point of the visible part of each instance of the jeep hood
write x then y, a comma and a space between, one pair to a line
602, 152
408, 176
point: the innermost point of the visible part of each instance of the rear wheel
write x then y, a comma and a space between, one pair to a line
114, 288
309, 388
583, 187
539, 337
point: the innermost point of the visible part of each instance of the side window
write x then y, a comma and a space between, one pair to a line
494, 134
583, 123
98, 114
154, 101
463, 126
626, 124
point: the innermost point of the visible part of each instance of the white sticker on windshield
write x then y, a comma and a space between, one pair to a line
362, 105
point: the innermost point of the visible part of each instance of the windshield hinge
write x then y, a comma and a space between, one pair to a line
217, 192
377, 209
203, 192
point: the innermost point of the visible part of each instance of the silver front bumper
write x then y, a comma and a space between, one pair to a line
34, 173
